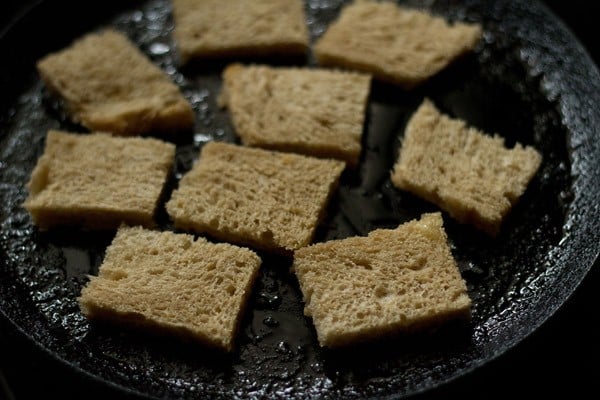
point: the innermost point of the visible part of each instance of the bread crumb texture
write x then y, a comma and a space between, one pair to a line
309, 111
392, 281
98, 181
109, 85
471, 175
268, 200
395, 44
171, 283
216, 28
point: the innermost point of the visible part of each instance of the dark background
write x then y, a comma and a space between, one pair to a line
560, 359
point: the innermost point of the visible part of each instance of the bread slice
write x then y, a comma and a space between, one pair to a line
98, 181
394, 280
393, 43
109, 85
268, 200
216, 28
172, 283
308, 111
465, 172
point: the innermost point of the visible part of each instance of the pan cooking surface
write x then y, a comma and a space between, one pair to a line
529, 81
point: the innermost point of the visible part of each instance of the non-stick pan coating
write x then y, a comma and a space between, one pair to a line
529, 81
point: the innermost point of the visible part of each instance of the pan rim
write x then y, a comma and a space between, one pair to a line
566, 293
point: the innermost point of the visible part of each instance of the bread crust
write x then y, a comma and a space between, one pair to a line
394, 44
467, 173
315, 112
267, 200
97, 181
392, 281
109, 85
216, 28
172, 283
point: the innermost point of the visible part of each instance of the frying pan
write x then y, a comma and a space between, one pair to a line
529, 81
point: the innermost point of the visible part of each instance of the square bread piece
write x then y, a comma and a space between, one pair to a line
109, 85
465, 172
267, 200
171, 283
98, 181
394, 280
393, 43
308, 111
217, 28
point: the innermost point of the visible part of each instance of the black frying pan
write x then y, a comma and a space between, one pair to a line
529, 81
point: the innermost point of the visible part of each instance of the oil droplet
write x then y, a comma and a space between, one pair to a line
219, 133
170, 70
159, 49
283, 348
270, 321
137, 16
317, 367
202, 138
268, 301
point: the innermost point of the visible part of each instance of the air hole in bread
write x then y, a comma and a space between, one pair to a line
364, 263
115, 275
417, 264
156, 271
230, 290
381, 291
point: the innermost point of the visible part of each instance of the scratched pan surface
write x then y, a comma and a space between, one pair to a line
529, 80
